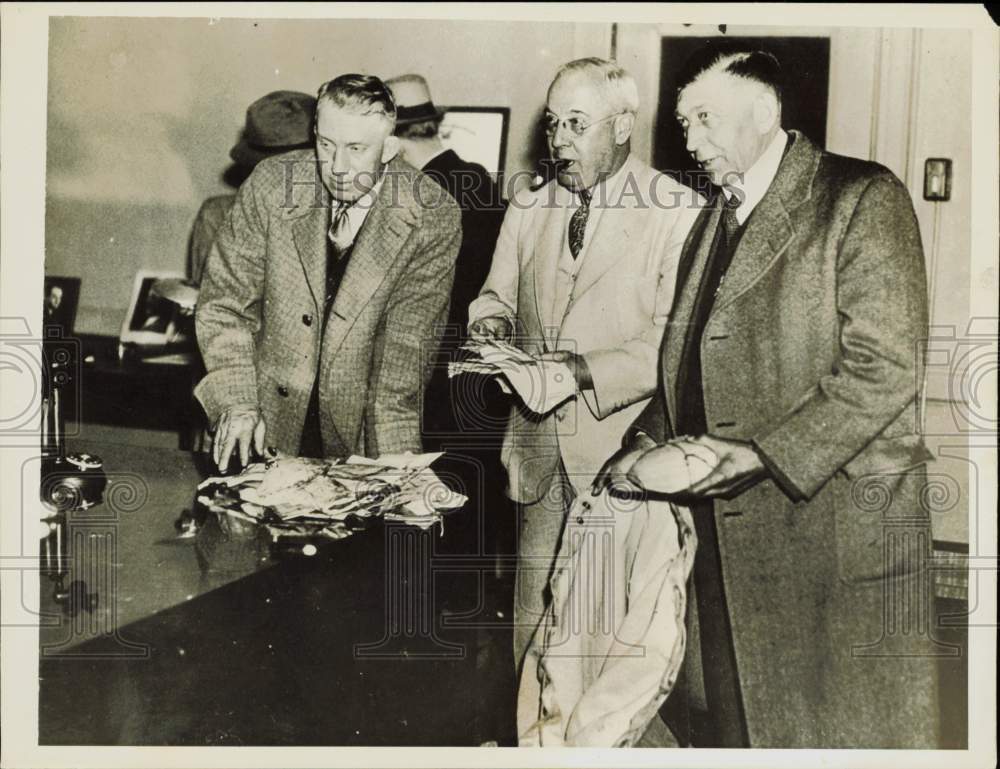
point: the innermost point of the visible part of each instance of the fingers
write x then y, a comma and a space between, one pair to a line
221, 429
244, 439
601, 479
258, 435
228, 444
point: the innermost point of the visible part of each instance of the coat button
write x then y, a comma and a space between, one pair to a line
307, 319
282, 391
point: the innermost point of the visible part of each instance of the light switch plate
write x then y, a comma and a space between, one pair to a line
937, 179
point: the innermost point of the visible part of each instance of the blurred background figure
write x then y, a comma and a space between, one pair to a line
467, 415
475, 191
276, 123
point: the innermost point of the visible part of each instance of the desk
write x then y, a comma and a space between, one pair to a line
216, 642
130, 391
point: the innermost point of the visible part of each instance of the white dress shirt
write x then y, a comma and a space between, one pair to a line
757, 180
356, 214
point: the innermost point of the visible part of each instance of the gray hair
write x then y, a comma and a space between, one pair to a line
616, 82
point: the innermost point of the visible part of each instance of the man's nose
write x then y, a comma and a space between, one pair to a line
562, 137
339, 163
692, 138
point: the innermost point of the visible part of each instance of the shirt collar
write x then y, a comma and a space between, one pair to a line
757, 179
603, 192
357, 211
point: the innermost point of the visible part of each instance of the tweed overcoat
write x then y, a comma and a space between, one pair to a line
260, 314
613, 315
812, 351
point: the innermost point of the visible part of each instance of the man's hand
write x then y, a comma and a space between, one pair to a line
739, 468
577, 364
614, 473
494, 327
239, 426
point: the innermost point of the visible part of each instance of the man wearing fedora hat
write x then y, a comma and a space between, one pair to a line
275, 123
324, 289
479, 197
462, 416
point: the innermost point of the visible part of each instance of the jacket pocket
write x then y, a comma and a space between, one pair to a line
882, 526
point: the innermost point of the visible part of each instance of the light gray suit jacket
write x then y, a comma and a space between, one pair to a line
613, 315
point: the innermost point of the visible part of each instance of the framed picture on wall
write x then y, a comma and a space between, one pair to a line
62, 295
155, 317
477, 134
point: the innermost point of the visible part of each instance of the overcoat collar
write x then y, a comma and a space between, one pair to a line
765, 239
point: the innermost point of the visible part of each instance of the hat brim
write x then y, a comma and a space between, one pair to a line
421, 115
249, 155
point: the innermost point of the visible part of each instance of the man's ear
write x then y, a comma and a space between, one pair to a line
390, 148
623, 127
766, 111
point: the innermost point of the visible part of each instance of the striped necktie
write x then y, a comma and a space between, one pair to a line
340, 228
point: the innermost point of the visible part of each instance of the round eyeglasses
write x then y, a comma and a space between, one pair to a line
575, 125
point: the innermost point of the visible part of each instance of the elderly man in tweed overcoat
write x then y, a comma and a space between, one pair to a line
323, 293
793, 351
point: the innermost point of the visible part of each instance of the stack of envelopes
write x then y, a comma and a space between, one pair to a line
332, 498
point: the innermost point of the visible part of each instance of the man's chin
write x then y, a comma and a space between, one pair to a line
343, 194
571, 180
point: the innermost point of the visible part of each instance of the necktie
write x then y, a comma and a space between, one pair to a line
730, 231
340, 228
578, 224
729, 221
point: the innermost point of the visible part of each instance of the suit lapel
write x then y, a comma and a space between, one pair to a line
377, 247
769, 229
616, 224
548, 250
310, 220
768, 233
694, 258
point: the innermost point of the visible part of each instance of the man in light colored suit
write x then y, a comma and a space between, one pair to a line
583, 273
793, 351
324, 291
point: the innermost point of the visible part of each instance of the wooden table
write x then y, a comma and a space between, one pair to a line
218, 640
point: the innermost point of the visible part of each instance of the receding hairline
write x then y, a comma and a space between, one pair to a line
607, 77
734, 76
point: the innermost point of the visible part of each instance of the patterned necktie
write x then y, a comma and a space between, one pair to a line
340, 228
578, 224
730, 223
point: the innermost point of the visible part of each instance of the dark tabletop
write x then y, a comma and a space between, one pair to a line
223, 639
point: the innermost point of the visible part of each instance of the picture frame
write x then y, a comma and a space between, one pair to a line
477, 135
152, 319
59, 304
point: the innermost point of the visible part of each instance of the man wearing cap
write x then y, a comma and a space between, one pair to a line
584, 272
324, 287
275, 123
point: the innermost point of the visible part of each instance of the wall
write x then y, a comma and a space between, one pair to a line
142, 114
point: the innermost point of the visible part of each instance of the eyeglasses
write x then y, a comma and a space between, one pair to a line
576, 126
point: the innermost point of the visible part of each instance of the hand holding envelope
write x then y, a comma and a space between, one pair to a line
540, 384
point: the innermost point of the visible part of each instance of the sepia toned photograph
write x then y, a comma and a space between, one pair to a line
435, 384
